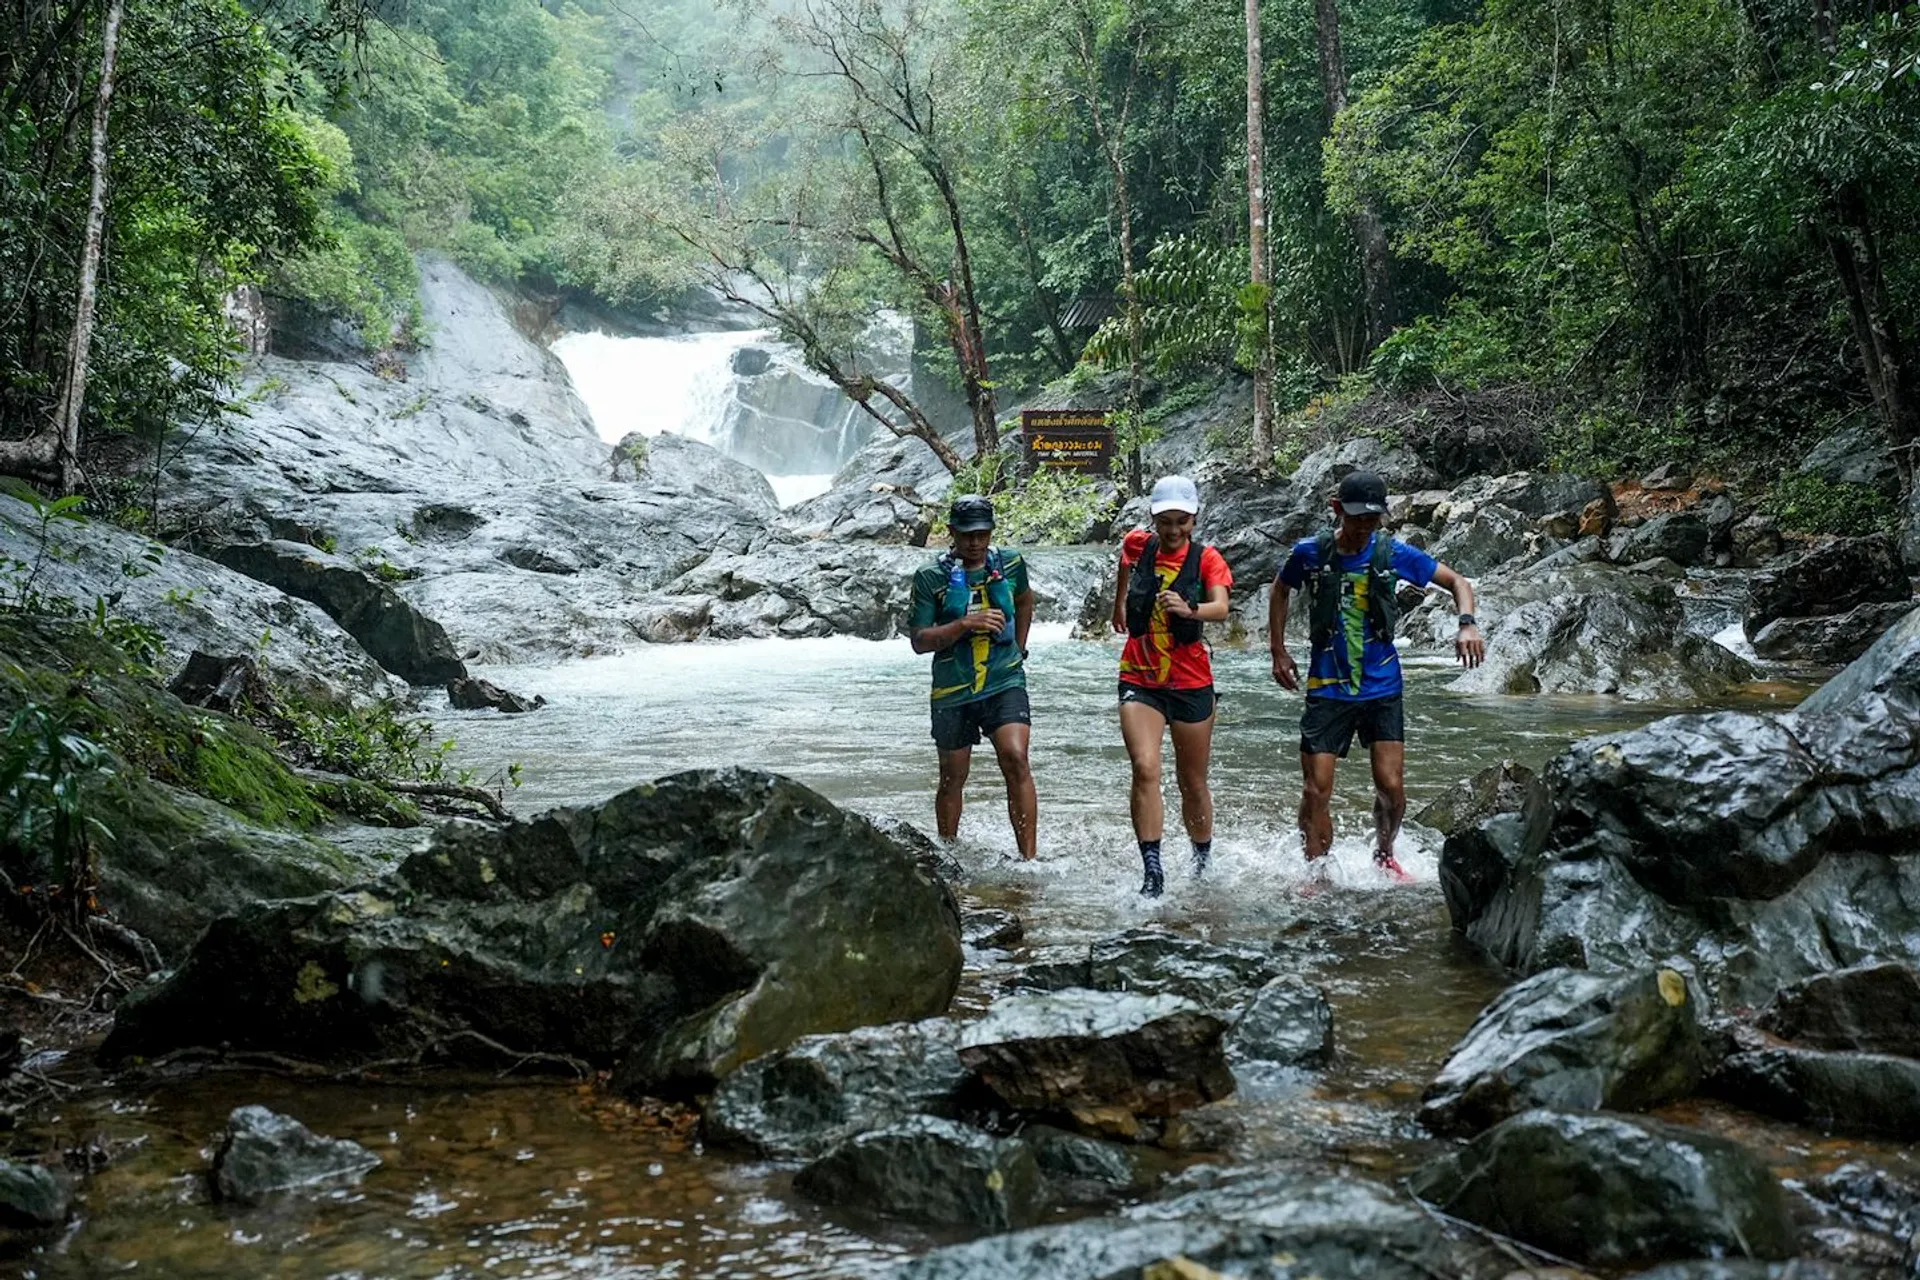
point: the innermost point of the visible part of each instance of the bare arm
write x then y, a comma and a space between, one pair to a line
1120, 595
1285, 673
1468, 647
1213, 609
944, 635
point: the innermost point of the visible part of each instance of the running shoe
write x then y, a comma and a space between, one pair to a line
1388, 864
1154, 882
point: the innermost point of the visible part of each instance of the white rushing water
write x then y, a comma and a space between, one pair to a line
688, 385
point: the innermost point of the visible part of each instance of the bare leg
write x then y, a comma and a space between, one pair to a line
1010, 748
1316, 797
1389, 794
954, 766
1192, 751
1142, 728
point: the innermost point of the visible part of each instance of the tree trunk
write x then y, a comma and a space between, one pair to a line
1369, 232
75, 394
1257, 240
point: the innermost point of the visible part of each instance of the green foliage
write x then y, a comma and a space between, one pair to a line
374, 561
1813, 504
1612, 442
1046, 507
373, 742
1195, 308
1465, 348
48, 829
362, 274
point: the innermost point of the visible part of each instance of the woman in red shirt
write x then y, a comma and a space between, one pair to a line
1166, 670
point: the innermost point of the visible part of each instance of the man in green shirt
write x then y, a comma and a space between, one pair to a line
971, 610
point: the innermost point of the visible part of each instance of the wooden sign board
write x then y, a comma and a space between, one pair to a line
1067, 440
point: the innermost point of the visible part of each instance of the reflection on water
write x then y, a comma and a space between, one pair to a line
551, 1181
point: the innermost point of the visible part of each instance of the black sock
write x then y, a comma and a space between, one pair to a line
1150, 851
1154, 877
1202, 850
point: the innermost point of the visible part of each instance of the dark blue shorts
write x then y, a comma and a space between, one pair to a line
1329, 724
961, 727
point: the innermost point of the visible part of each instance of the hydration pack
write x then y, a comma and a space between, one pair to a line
958, 599
1144, 586
1324, 586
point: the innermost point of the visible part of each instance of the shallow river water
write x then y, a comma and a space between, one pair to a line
561, 1181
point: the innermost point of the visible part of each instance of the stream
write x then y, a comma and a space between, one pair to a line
556, 1180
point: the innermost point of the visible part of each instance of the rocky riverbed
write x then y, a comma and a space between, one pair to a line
715, 1007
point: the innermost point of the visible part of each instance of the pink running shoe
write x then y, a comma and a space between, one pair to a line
1393, 868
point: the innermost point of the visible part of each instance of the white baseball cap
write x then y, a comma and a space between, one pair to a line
1174, 493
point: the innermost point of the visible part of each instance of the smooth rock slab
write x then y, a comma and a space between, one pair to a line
1157, 962
1830, 641
1872, 1008
1109, 1063
1613, 1190
1572, 1041
1276, 1226
32, 1196
265, 1152
930, 1171
1287, 1023
1871, 1093
821, 1090
1828, 579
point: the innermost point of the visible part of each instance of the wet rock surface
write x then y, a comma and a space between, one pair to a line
678, 930
799, 1101
1333, 1227
470, 693
1829, 641
32, 1196
1159, 962
264, 1152
1286, 1023
1827, 580
1865, 1093
1108, 1063
1572, 1041
1872, 1008
931, 1171
1613, 1190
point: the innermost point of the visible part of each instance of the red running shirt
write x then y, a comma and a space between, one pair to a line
1153, 660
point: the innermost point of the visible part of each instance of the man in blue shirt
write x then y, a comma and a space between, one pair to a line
1353, 673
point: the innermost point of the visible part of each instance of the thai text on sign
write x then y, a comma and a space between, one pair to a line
1067, 440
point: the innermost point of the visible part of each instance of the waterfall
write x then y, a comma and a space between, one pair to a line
742, 391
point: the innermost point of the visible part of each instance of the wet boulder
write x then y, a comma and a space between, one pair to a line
1571, 1041
1889, 670
1479, 539
1871, 1008
470, 693
1869, 1093
1320, 472
1332, 1227
1826, 580
1613, 1190
675, 464
880, 513
1287, 1023
1855, 454
264, 1152
1159, 962
678, 930
1083, 1170
1605, 632
932, 1172
1114, 1064
1498, 788
1679, 536
397, 635
232, 686
821, 1090
1830, 641
32, 1196
991, 929
1755, 541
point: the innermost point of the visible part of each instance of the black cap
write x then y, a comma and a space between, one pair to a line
970, 513
1363, 493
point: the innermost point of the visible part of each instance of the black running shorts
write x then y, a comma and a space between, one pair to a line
1176, 706
1328, 725
957, 728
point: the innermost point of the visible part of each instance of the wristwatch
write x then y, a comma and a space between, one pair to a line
1468, 620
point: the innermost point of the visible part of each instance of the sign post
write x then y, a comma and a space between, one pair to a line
1067, 440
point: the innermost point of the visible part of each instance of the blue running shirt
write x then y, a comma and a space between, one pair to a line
1330, 671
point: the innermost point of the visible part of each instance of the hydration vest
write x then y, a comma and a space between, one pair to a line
958, 600
1144, 586
1324, 587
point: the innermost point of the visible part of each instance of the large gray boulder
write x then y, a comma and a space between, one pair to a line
398, 636
1483, 537
32, 1196
1855, 454
1287, 1023
1159, 962
1267, 1223
933, 1172
675, 464
1613, 1190
1679, 536
1829, 641
264, 1152
1828, 579
1763, 848
799, 1101
1112, 1064
677, 931
1571, 1041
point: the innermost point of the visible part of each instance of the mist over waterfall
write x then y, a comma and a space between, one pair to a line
744, 392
